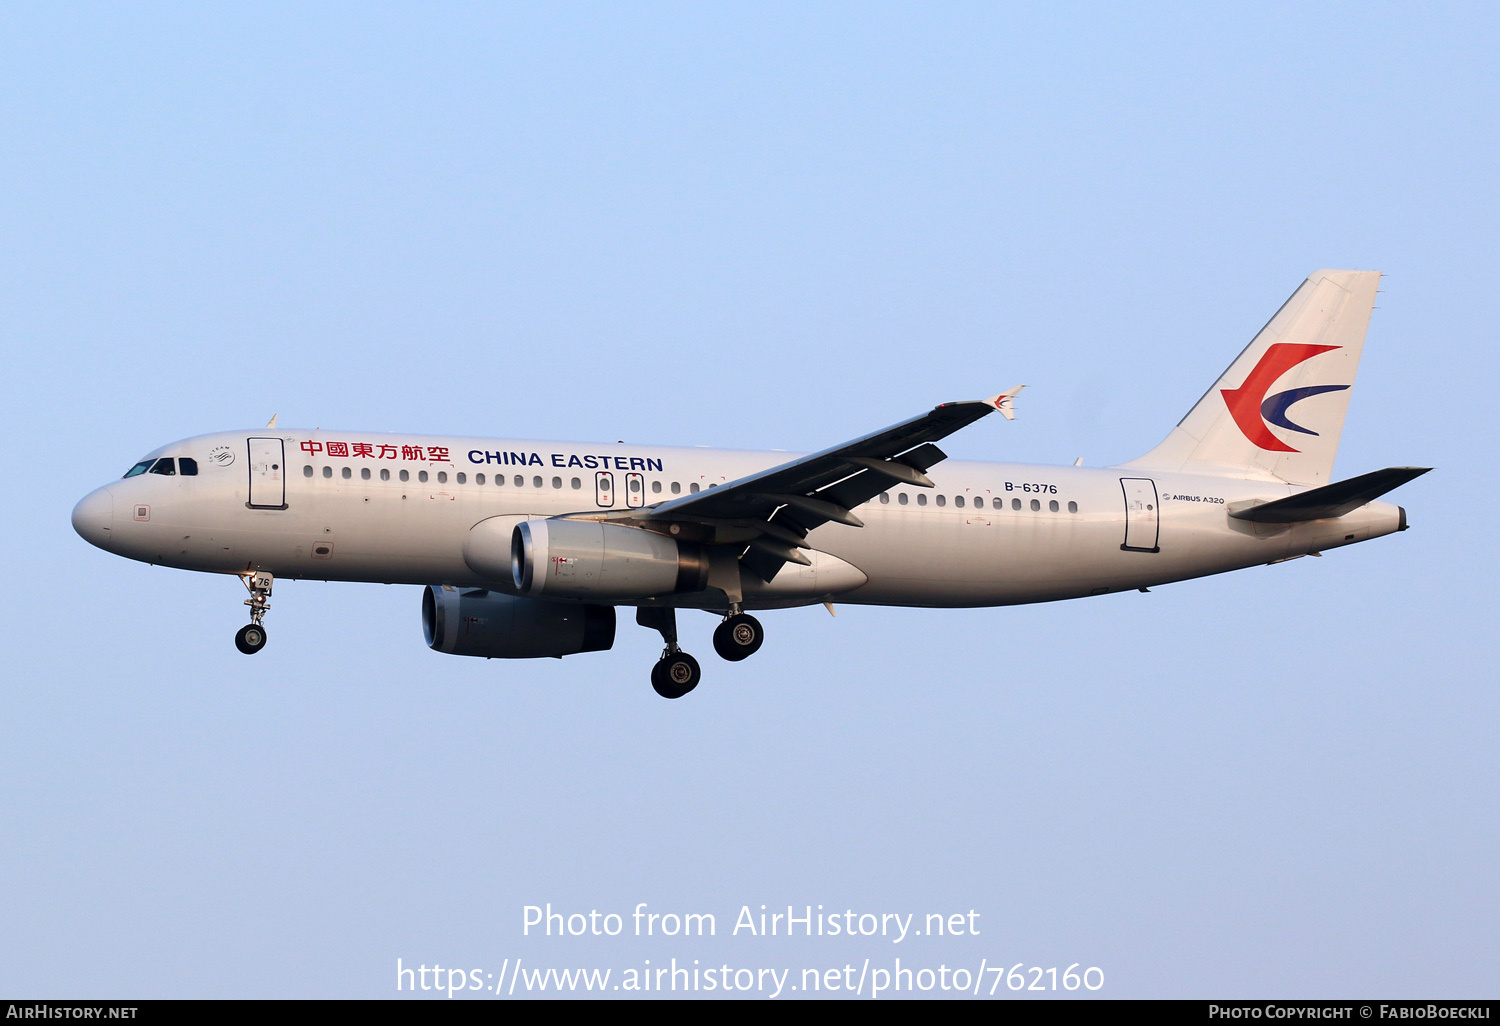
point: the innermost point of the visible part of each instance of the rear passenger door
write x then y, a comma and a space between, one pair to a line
1142, 520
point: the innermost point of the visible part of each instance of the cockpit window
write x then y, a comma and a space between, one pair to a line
168, 465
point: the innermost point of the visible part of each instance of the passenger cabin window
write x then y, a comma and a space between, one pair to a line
557, 482
885, 498
958, 500
1052, 505
364, 473
1015, 503
442, 477
164, 466
405, 475
676, 488
1072, 507
385, 474
520, 481
942, 500
479, 479
307, 471
901, 498
139, 468
693, 487
921, 498
1036, 505
422, 476
187, 466
577, 484
656, 487
346, 473
463, 478
536, 482
327, 471
979, 502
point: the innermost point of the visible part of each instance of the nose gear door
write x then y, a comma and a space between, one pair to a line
267, 473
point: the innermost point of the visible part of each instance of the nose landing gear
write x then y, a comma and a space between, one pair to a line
252, 637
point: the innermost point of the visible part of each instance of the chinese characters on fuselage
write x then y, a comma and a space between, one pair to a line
508, 458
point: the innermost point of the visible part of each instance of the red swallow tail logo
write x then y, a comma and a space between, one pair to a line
1250, 407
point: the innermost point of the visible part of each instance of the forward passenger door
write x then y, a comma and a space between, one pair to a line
267, 473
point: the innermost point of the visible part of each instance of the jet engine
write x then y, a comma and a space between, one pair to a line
585, 559
477, 622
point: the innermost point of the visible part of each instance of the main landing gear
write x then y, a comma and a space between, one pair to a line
252, 637
676, 673
738, 637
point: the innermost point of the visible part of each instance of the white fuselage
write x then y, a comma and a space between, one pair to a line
987, 534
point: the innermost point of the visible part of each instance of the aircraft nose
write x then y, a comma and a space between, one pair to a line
93, 517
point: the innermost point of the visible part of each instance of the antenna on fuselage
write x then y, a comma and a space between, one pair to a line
272, 422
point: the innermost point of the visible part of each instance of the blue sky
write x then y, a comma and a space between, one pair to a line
762, 226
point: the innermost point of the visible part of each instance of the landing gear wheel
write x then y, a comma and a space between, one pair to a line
251, 638
675, 674
738, 637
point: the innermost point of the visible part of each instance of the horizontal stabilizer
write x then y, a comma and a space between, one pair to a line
1332, 500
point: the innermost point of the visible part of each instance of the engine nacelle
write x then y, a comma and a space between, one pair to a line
476, 622
586, 559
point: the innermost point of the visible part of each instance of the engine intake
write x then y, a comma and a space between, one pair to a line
477, 622
585, 559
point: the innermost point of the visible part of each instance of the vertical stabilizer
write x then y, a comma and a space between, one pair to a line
1278, 411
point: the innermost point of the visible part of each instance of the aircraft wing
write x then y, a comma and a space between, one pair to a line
772, 511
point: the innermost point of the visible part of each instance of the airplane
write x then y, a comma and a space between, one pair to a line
524, 548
